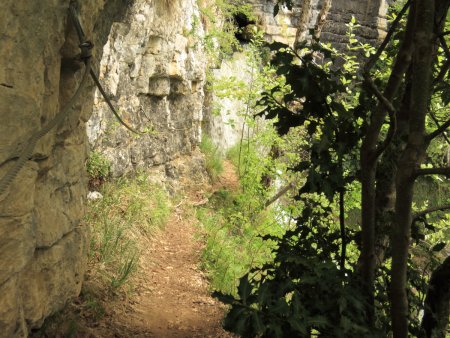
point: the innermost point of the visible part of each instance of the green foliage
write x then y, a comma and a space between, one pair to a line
213, 160
233, 224
291, 296
218, 15
130, 208
305, 290
98, 166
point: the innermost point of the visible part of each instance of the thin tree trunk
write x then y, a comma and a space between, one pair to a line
437, 303
368, 160
386, 177
302, 26
321, 18
342, 228
410, 160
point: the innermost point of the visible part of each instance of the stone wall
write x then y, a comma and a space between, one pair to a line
370, 14
154, 69
43, 245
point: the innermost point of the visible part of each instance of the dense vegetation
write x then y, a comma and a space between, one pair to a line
363, 134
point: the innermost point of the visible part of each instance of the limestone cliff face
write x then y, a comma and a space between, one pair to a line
370, 14
154, 69
155, 72
43, 245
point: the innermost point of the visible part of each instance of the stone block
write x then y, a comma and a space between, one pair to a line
17, 245
159, 86
53, 276
12, 323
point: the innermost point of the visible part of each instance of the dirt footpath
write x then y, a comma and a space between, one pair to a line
173, 299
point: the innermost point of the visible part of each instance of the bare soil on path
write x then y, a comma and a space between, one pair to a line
174, 300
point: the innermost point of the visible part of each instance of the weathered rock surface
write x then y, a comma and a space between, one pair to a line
224, 119
225, 128
42, 245
154, 69
155, 73
370, 14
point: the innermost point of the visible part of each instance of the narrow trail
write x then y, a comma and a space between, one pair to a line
172, 296
173, 299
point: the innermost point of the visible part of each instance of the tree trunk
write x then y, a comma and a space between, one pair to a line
368, 161
410, 160
302, 26
321, 18
437, 303
386, 176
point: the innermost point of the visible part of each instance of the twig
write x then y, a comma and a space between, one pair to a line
280, 193
430, 210
373, 59
438, 131
392, 115
435, 120
432, 171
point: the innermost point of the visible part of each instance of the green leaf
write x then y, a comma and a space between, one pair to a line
236, 320
438, 247
244, 289
280, 308
298, 325
224, 298
318, 321
258, 324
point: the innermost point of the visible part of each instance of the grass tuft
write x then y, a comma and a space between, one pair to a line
129, 209
213, 160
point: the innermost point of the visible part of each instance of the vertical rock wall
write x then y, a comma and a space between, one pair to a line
224, 116
154, 69
370, 14
43, 245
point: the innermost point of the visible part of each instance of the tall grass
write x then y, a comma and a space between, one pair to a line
129, 209
213, 160
233, 238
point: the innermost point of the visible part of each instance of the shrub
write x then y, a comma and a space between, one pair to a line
98, 168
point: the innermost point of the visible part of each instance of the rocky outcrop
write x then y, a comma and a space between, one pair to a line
154, 69
43, 245
370, 15
225, 116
